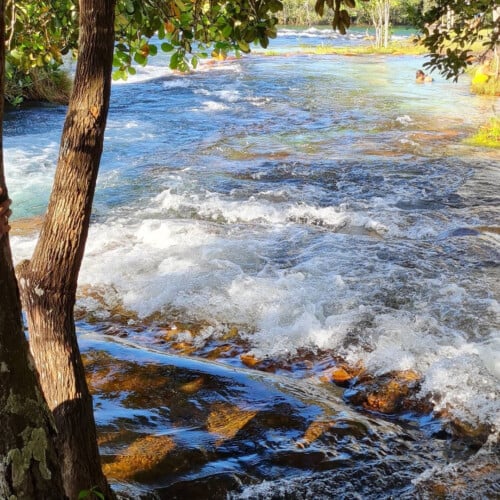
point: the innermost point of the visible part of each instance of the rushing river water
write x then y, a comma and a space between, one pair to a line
297, 209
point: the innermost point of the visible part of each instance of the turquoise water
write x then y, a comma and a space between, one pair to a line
315, 203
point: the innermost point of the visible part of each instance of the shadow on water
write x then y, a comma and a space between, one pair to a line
178, 427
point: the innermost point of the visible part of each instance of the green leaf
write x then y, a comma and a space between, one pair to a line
140, 59
129, 6
174, 60
319, 7
243, 45
167, 47
119, 74
227, 31
275, 6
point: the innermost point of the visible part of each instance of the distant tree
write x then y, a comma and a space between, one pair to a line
380, 14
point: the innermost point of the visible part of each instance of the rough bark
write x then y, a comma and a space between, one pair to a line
29, 466
48, 282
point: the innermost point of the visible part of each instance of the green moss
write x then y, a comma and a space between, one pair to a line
488, 135
18, 405
35, 448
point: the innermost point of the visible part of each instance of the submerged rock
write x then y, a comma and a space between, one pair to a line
177, 425
392, 393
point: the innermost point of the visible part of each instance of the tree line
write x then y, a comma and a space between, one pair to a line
303, 13
48, 447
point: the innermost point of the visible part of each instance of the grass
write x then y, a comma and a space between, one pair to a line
394, 48
39, 85
488, 135
491, 87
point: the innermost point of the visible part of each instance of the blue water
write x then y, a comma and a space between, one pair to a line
317, 203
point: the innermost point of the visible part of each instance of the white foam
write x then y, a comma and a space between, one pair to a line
228, 95
404, 120
177, 82
29, 169
213, 106
279, 259
213, 207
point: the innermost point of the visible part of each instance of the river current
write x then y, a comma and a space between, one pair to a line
294, 205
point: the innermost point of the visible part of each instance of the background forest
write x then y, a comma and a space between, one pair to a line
302, 12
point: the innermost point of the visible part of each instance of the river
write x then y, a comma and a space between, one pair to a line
288, 212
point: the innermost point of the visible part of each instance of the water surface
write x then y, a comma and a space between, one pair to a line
303, 204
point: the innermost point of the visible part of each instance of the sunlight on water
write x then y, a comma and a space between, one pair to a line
317, 203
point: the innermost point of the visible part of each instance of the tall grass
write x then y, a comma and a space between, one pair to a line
488, 135
50, 85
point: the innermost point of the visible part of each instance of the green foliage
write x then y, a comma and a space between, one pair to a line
488, 135
394, 48
38, 36
49, 84
341, 18
302, 13
41, 33
190, 27
451, 27
91, 494
403, 12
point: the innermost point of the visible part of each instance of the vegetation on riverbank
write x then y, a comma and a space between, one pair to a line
489, 85
488, 135
394, 48
40, 84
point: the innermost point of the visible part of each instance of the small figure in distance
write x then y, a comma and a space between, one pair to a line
5, 213
421, 77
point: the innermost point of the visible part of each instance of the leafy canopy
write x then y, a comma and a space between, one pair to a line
451, 27
41, 32
341, 19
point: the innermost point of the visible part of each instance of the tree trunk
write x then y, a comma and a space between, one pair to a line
387, 22
48, 282
29, 466
376, 15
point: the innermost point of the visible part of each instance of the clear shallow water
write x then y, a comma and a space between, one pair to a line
315, 202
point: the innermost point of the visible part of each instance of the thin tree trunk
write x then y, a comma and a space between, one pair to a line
376, 16
29, 466
387, 24
48, 282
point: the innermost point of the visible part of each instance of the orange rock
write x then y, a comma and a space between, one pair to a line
408, 376
183, 347
218, 351
315, 430
142, 455
249, 360
192, 387
230, 334
341, 375
226, 420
